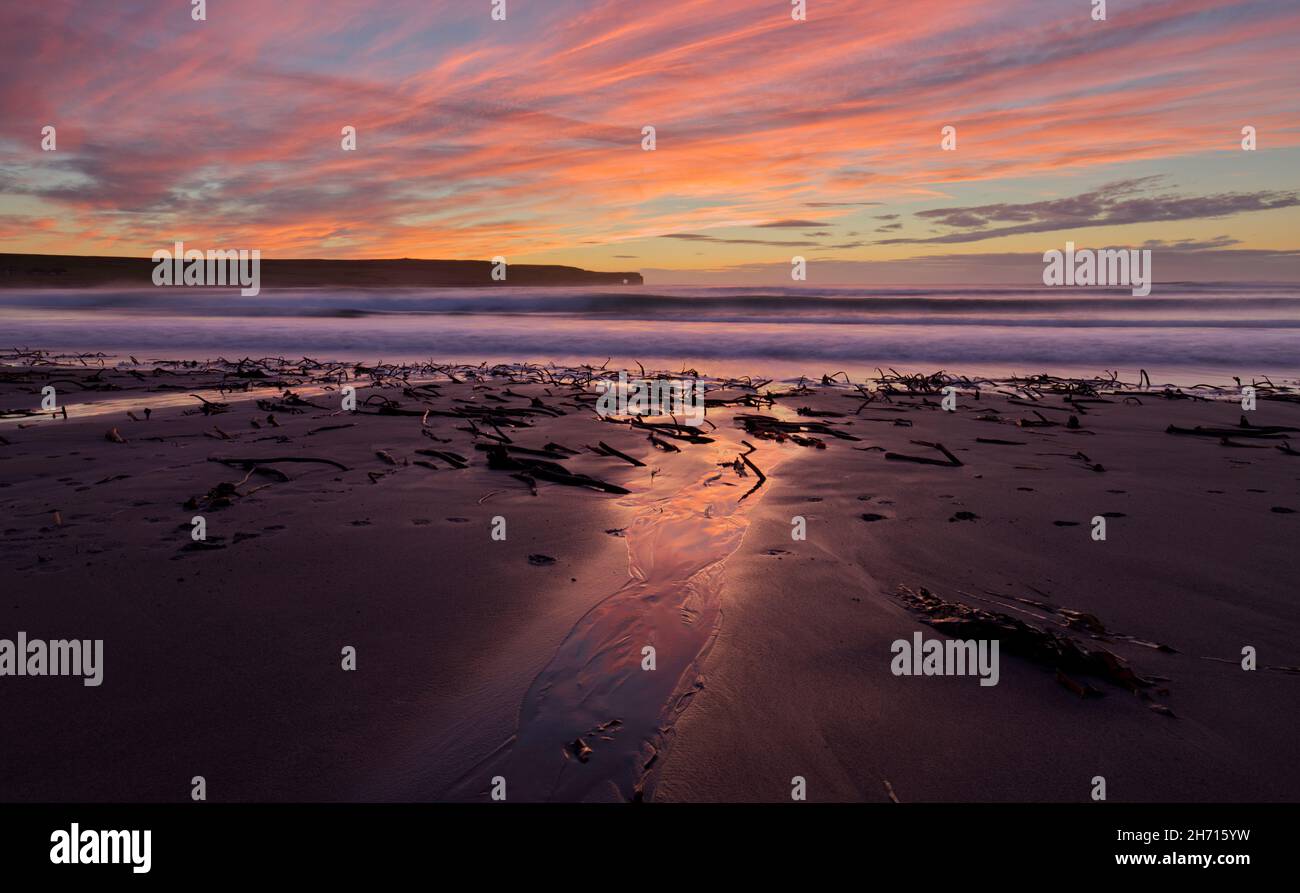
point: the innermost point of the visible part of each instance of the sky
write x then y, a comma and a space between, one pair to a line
774, 138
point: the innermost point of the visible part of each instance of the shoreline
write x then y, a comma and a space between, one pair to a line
780, 665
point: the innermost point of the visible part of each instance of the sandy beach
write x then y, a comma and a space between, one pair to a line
521, 655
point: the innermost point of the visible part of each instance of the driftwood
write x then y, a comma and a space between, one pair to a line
607, 450
951, 462
771, 428
455, 460
271, 460
664, 445
1201, 431
1062, 653
688, 433
500, 460
762, 478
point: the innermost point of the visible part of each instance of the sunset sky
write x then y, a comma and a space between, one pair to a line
775, 138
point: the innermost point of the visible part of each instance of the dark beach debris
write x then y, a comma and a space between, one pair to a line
1203, 431
537, 559
209, 407
249, 462
390, 407
208, 545
772, 428
223, 495
1082, 689
499, 436
608, 728
1041, 422
387, 457
688, 433
325, 428
580, 750
455, 460
524, 451
664, 445
290, 403
528, 480
951, 462
872, 516
1082, 620
1066, 523
963, 516
1080, 457
499, 459
889, 789
617, 531
994, 440
1282, 510
1059, 652
605, 449
1272, 429
762, 478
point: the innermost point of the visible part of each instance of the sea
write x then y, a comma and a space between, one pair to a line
1183, 333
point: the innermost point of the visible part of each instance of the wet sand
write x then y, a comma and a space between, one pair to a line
523, 658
